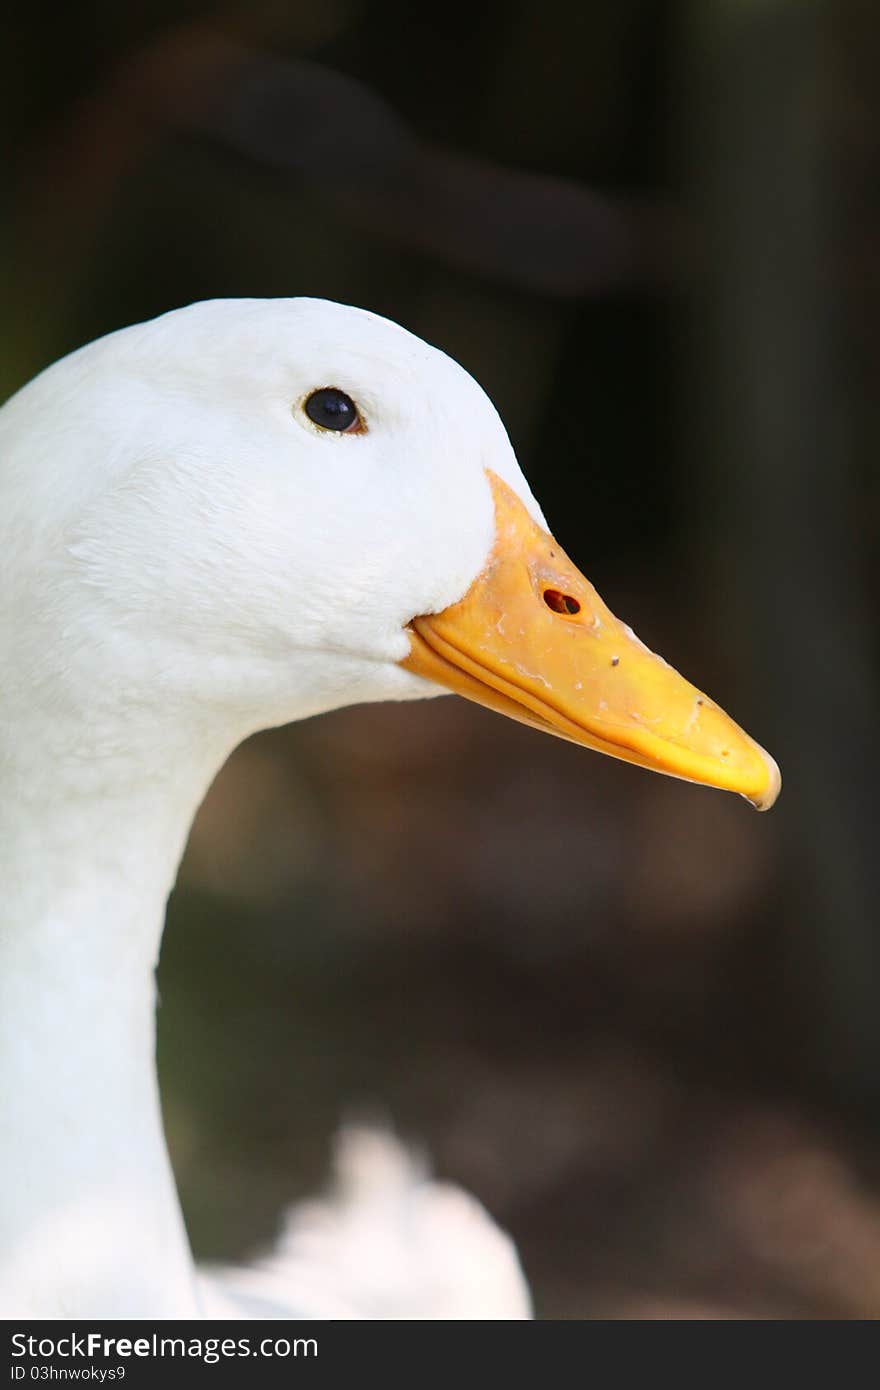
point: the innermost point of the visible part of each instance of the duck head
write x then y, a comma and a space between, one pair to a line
257, 510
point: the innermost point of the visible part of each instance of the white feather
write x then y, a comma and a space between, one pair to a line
386, 1242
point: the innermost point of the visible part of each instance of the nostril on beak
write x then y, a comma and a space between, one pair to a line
561, 603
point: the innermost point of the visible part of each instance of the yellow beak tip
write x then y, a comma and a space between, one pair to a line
768, 795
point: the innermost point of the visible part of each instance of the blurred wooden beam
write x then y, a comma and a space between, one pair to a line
776, 439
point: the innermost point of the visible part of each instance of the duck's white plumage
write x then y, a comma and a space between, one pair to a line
185, 558
387, 1242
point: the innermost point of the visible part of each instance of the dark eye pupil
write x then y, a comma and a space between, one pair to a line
331, 409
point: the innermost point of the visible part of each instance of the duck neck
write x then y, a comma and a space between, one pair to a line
89, 848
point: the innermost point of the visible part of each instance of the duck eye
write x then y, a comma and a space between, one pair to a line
332, 409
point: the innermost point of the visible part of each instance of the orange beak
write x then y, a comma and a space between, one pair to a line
532, 639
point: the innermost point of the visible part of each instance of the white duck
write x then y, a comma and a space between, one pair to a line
240, 514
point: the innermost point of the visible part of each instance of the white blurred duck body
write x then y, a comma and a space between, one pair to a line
187, 558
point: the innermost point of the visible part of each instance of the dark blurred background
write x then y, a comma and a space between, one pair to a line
639, 1021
